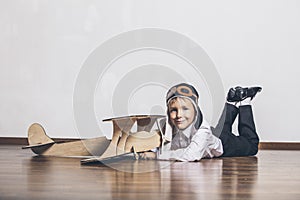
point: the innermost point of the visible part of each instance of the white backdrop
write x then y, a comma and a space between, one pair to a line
43, 45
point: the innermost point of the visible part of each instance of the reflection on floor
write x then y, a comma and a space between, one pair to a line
269, 175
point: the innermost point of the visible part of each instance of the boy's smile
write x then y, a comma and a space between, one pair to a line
181, 112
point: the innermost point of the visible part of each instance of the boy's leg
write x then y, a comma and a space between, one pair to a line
231, 143
246, 144
226, 120
246, 128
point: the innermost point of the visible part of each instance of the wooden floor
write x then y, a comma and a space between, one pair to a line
270, 175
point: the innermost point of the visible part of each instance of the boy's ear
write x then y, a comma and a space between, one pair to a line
199, 118
168, 114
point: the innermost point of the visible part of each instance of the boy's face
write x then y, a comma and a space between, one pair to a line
181, 112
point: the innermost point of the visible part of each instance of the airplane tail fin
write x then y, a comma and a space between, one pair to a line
38, 141
37, 135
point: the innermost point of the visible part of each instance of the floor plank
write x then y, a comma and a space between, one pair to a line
269, 175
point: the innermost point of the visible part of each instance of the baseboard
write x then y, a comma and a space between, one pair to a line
279, 145
262, 145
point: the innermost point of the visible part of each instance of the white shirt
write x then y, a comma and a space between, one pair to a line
192, 145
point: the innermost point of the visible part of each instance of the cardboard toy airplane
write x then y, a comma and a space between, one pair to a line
123, 141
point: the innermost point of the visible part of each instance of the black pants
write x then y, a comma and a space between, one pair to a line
246, 144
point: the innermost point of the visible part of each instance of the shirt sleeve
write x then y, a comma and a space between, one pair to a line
194, 151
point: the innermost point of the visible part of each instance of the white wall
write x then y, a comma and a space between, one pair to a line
43, 45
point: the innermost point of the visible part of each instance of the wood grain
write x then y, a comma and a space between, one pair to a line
269, 175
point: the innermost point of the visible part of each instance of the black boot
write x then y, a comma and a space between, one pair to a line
239, 94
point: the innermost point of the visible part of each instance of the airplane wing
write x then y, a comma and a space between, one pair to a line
121, 157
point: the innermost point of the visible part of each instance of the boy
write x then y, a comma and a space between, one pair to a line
192, 138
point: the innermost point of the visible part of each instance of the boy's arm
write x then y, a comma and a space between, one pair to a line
195, 150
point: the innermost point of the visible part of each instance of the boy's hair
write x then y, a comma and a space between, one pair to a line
185, 90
